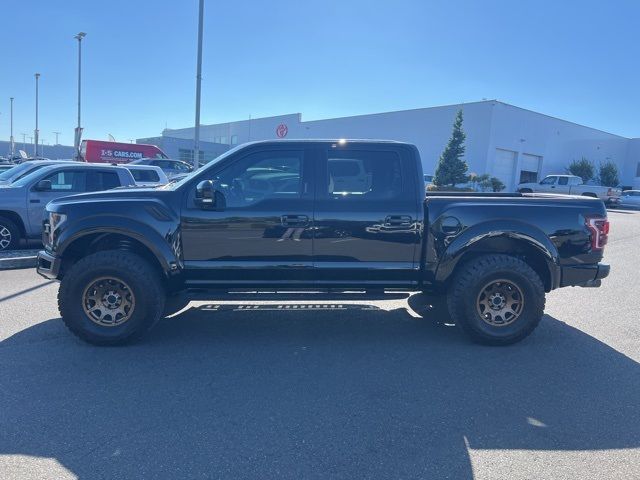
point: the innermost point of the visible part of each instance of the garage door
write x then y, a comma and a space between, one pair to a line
504, 164
530, 168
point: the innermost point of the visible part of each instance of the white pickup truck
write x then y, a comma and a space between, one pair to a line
572, 185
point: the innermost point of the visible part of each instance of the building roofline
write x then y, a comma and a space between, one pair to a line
562, 120
460, 105
400, 111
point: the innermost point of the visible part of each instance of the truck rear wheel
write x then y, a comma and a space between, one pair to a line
496, 299
111, 297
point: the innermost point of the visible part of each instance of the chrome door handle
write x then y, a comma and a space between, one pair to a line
398, 220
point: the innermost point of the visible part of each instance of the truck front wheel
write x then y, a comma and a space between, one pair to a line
9, 234
111, 297
496, 299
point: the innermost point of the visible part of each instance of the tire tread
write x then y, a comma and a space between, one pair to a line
134, 265
479, 267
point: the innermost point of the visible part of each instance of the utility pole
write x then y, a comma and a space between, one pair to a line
56, 134
196, 143
78, 133
12, 146
24, 141
35, 132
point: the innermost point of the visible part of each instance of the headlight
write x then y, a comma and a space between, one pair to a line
55, 220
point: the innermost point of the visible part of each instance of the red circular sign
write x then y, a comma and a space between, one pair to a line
282, 130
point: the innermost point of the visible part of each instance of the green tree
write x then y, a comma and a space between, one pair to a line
480, 181
496, 184
582, 168
608, 174
452, 168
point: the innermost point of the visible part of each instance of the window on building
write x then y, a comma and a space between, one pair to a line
528, 177
185, 155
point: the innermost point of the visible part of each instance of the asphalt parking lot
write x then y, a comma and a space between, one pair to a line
341, 389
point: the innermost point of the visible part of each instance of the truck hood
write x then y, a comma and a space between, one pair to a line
115, 195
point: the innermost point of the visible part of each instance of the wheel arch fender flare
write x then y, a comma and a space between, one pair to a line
484, 237
166, 249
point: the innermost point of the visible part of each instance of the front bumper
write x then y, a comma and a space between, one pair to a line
583, 275
48, 265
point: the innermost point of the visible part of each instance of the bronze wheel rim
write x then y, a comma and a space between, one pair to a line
500, 303
108, 302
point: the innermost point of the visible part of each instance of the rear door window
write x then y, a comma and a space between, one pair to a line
353, 175
97, 181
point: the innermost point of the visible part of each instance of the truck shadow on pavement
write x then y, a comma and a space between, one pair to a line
266, 393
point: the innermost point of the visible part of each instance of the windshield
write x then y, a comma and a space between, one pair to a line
178, 184
15, 171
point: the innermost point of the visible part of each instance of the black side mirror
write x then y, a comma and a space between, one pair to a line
43, 186
209, 197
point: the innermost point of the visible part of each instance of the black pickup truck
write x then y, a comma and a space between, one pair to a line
316, 216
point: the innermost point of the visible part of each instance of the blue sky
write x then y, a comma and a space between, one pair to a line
577, 60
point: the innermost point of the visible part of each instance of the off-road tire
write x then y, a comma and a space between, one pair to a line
14, 231
143, 280
470, 279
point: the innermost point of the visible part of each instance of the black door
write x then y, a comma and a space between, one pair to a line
264, 233
365, 220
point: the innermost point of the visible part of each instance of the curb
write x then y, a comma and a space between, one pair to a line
26, 259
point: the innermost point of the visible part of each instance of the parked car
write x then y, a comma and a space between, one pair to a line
147, 175
572, 185
268, 216
168, 166
22, 203
630, 199
24, 169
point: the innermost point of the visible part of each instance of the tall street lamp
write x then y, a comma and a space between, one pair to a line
196, 143
12, 146
35, 132
78, 132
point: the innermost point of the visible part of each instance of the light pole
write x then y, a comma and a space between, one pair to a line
78, 133
12, 146
35, 132
24, 141
196, 143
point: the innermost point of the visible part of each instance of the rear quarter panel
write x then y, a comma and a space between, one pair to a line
553, 226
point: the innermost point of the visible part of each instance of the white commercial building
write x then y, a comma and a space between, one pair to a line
511, 143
